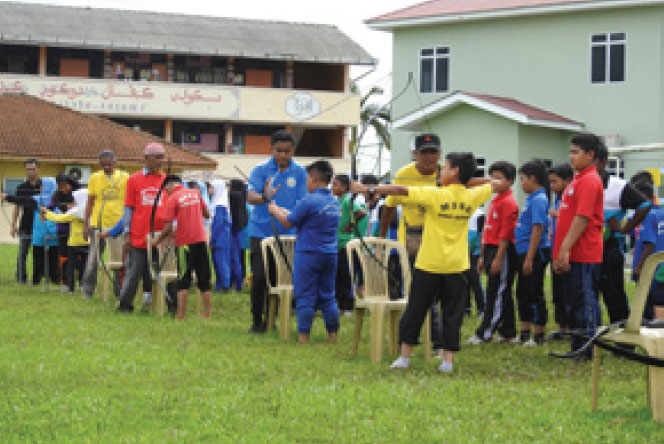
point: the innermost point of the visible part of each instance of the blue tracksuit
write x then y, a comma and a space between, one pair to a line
316, 217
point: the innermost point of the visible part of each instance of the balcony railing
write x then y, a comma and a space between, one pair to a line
161, 100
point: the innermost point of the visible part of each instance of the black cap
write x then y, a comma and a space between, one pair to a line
427, 142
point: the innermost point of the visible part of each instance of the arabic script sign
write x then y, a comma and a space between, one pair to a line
136, 99
302, 106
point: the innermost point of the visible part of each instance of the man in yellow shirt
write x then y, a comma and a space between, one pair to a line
443, 255
106, 195
423, 172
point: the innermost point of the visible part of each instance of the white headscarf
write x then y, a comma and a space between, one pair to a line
220, 194
80, 203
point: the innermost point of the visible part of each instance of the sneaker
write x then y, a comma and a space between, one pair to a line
500, 339
530, 343
475, 340
446, 367
557, 336
400, 364
257, 329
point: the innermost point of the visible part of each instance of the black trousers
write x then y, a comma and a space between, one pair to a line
474, 285
193, 258
530, 290
343, 286
258, 284
63, 257
561, 307
24, 243
39, 263
612, 281
427, 288
77, 257
499, 308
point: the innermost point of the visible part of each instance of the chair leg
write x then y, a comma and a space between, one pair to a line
376, 336
597, 362
103, 287
158, 300
393, 338
426, 336
284, 314
359, 317
271, 310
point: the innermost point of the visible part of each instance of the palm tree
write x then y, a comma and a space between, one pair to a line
373, 116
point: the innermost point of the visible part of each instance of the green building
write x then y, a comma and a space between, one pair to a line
515, 79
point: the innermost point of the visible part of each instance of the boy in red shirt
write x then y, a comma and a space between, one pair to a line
186, 208
577, 250
498, 257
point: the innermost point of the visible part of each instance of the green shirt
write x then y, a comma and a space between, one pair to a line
344, 237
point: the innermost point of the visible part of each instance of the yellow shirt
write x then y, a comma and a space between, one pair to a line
411, 214
444, 248
111, 192
76, 225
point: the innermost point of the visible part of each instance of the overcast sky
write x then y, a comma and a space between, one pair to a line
348, 15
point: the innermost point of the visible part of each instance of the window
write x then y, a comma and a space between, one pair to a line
481, 167
434, 69
616, 167
608, 57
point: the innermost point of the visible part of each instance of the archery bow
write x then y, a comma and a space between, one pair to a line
155, 266
102, 263
355, 227
273, 225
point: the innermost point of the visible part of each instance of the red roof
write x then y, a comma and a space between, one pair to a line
521, 108
435, 8
32, 127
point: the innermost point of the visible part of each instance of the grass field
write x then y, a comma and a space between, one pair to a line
73, 371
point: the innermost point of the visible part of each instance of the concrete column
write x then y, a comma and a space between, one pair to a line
290, 74
228, 139
168, 130
230, 69
108, 66
347, 78
170, 69
42, 61
345, 134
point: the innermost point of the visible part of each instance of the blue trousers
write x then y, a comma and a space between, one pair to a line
222, 271
236, 277
582, 284
313, 284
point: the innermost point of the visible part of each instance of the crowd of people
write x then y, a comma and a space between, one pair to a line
576, 220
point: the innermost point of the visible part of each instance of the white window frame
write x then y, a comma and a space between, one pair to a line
481, 168
433, 58
618, 170
607, 49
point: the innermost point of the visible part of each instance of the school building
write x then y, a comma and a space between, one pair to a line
218, 86
515, 79
64, 140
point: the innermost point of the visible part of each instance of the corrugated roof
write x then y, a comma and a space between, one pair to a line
442, 8
504, 106
176, 33
32, 127
521, 108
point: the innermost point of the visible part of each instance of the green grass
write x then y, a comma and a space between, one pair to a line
73, 371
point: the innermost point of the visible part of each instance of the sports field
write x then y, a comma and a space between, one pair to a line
73, 371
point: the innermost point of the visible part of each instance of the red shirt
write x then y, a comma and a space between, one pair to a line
185, 206
501, 219
141, 191
583, 197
